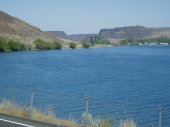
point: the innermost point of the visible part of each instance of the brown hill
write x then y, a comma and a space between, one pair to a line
14, 28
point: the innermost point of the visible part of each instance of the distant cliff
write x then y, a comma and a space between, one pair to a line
134, 32
128, 32
74, 37
60, 34
80, 37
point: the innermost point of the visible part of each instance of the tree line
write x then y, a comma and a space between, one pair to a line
16, 45
39, 44
44, 45
145, 40
12, 45
93, 40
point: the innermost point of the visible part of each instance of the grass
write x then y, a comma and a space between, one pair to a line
128, 123
14, 109
11, 108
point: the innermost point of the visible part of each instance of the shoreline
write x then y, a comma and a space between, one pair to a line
93, 47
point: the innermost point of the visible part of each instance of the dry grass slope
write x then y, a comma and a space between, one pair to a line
14, 28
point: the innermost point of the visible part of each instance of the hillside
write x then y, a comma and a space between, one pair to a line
14, 28
134, 32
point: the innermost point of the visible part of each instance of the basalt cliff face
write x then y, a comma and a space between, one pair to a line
128, 32
134, 32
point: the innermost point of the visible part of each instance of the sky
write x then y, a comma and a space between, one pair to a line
89, 16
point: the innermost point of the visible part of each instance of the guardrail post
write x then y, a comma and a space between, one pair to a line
31, 104
160, 116
86, 110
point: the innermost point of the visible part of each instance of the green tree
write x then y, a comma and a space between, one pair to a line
44, 45
23, 47
57, 45
103, 41
40, 44
3, 44
86, 45
15, 45
92, 40
49, 45
72, 45
97, 40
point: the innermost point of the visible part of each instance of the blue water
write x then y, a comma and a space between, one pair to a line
120, 81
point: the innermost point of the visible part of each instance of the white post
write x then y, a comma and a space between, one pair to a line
160, 116
32, 99
86, 111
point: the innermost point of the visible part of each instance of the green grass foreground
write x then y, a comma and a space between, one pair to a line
13, 109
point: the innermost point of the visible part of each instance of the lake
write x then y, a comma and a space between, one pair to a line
127, 81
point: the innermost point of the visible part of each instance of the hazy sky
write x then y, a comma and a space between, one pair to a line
88, 16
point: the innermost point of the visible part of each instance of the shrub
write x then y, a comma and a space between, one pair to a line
15, 45
44, 45
86, 45
49, 45
72, 45
29, 47
3, 44
12, 45
103, 41
40, 44
57, 45
23, 47
99, 40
